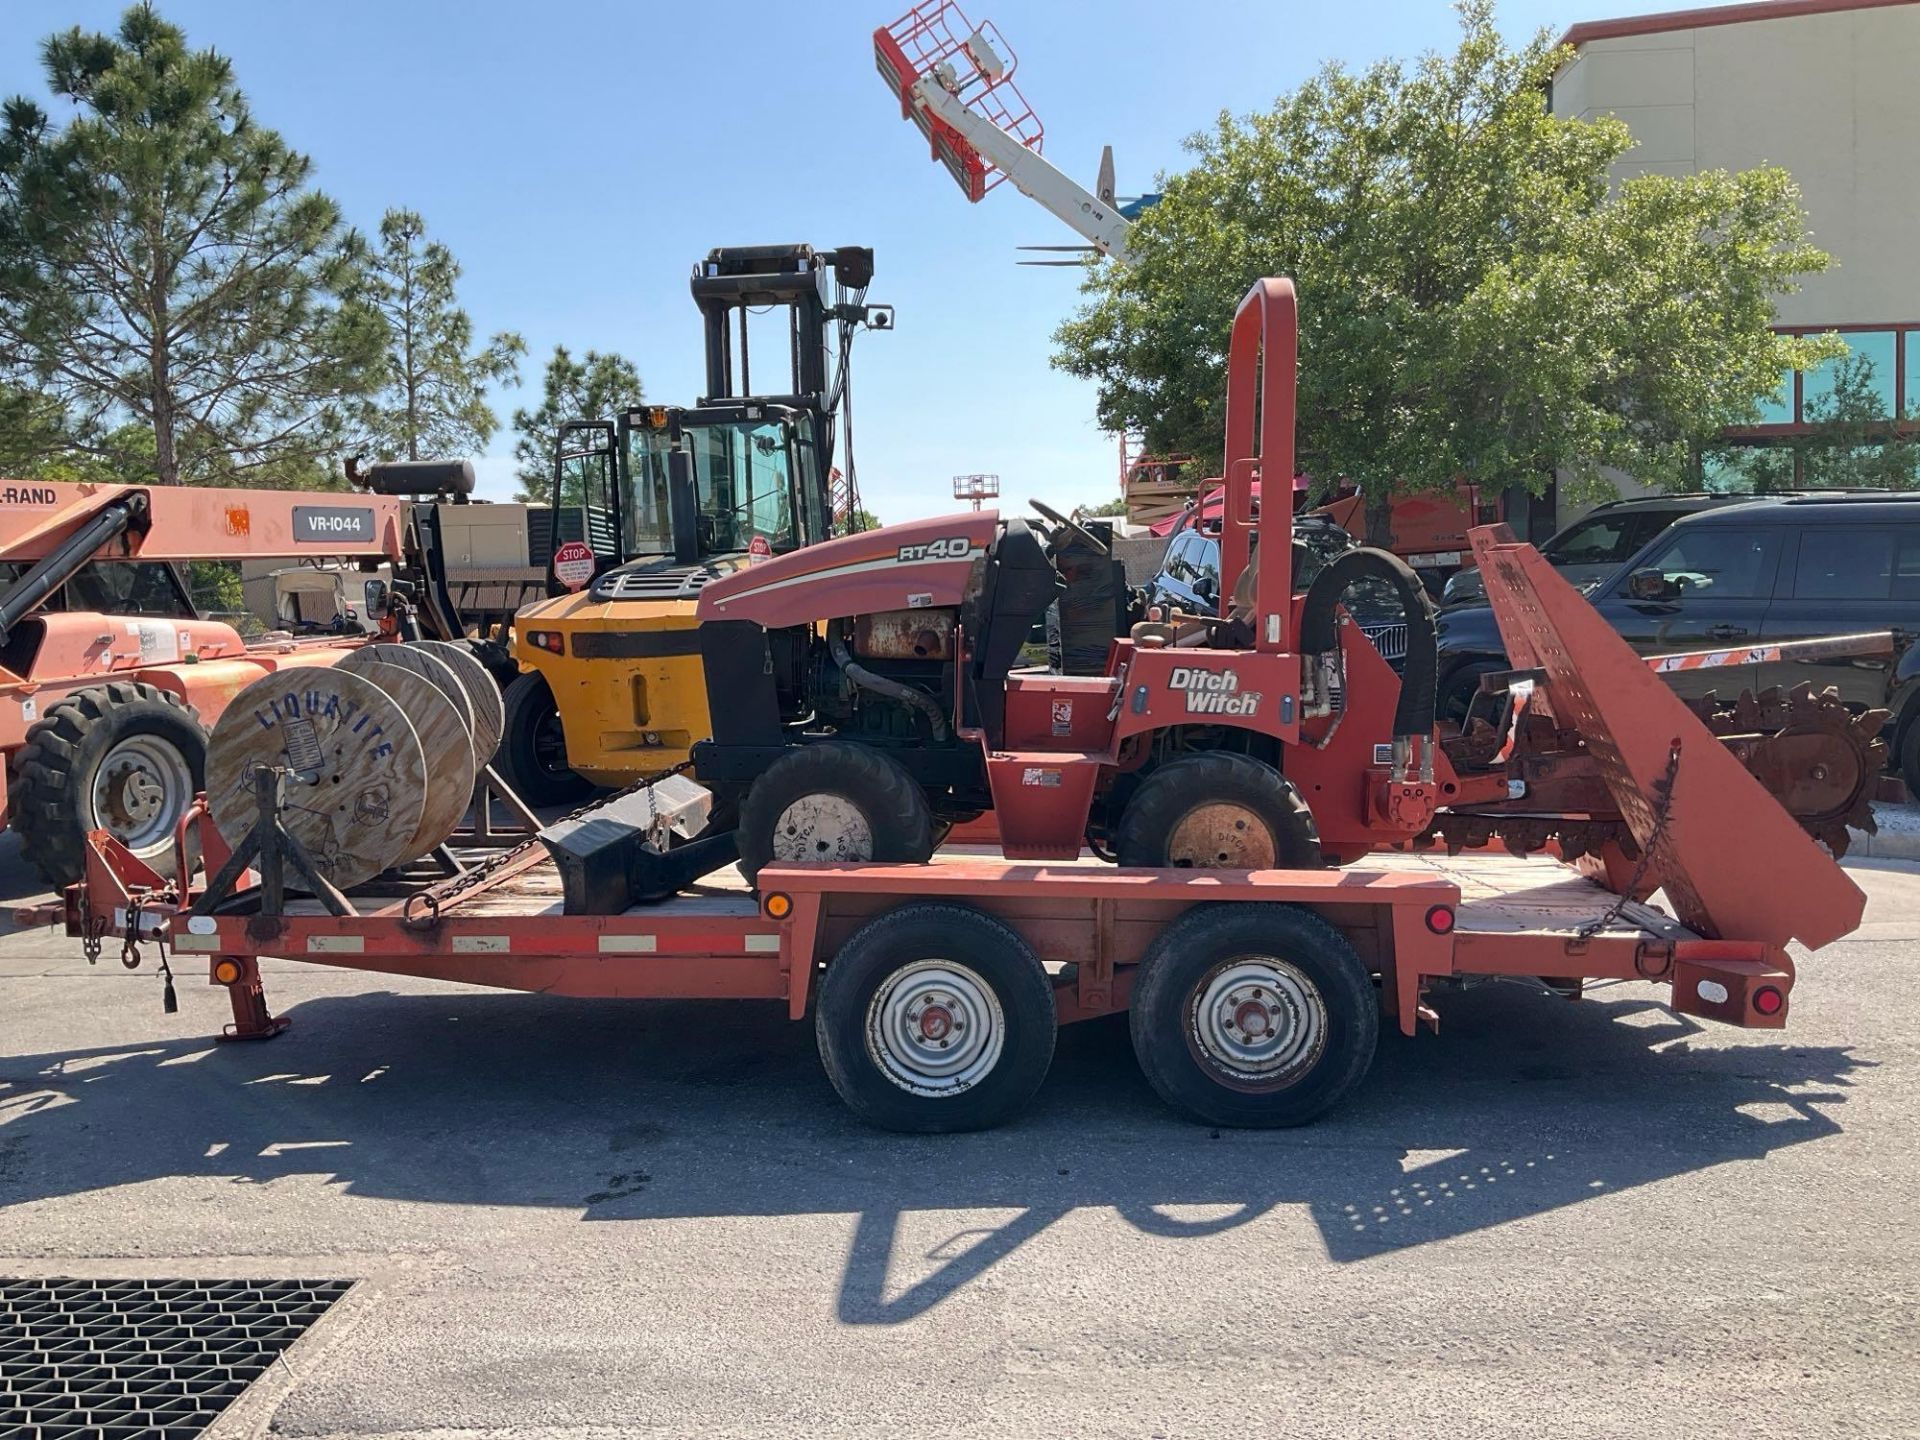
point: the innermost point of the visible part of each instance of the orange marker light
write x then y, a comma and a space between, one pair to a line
226, 972
778, 906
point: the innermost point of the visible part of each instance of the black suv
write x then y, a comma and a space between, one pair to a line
1599, 542
1768, 568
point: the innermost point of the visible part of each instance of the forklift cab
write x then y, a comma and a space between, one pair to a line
748, 474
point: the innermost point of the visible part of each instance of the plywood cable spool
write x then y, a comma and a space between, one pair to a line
422, 662
357, 772
448, 743
489, 714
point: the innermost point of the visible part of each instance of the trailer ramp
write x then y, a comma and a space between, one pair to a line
1734, 863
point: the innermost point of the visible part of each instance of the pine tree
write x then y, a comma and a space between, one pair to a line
434, 402
167, 270
597, 386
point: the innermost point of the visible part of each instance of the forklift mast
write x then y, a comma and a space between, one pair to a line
734, 280
824, 295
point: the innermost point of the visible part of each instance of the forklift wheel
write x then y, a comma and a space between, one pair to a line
1218, 811
533, 747
934, 1018
1254, 1016
834, 802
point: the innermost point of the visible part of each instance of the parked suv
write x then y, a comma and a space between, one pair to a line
1599, 542
1189, 577
1768, 568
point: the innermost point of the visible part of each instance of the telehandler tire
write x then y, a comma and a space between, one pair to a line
1217, 811
533, 746
123, 757
834, 802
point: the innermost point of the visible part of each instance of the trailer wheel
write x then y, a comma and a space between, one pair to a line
123, 757
838, 802
935, 1018
1253, 1015
1218, 811
533, 747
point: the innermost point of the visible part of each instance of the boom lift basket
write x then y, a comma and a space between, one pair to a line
975, 64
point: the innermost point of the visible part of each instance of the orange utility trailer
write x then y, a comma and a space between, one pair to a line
1255, 997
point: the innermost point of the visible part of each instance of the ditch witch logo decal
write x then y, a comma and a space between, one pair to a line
1214, 692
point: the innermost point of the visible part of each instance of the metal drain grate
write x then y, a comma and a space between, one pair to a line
105, 1359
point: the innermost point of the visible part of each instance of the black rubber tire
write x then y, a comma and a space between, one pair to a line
1173, 791
1459, 688
1176, 969
529, 708
926, 930
1910, 757
877, 785
52, 789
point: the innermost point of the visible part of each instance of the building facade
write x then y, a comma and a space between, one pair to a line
1829, 90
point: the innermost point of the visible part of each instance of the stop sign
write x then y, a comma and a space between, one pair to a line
573, 564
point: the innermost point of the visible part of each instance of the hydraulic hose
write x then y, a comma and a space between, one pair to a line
881, 685
1419, 683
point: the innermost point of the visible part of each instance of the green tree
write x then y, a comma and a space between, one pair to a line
1105, 509
34, 443
1476, 300
860, 520
434, 402
164, 261
597, 386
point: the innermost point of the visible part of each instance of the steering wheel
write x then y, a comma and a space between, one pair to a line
1048, 513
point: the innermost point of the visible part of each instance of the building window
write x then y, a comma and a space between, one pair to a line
1878, 379
1777, 408
1868, 375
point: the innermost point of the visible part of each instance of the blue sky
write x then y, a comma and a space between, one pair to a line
580, 155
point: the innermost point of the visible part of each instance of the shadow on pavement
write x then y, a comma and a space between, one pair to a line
643, 1110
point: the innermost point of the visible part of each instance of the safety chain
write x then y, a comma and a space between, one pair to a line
435, 898
1662, 812
93, 930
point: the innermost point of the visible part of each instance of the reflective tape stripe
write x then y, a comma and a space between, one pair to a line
196, 942
627, 944
763, 944
336, 945
489, 944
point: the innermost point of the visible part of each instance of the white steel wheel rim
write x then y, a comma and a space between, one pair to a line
141, 789
1257, 1022
1222, 835
822, 828
935, 1028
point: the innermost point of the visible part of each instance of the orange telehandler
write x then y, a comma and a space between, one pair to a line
111, 678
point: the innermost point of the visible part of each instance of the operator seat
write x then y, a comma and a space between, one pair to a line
1017, 585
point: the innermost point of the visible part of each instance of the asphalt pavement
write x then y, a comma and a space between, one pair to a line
573, 1218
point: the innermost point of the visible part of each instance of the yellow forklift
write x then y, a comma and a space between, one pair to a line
611, 687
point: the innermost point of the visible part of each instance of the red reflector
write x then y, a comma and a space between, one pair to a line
1769, 1001
1440, 919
